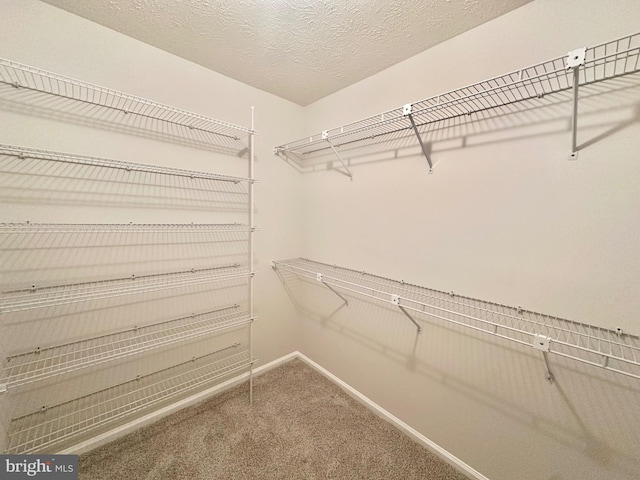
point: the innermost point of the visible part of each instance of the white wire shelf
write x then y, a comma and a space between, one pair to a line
49, 296
602, 62
49, 253
40, 431
23, 153
610, 349
43, 363
73, 228
22, 77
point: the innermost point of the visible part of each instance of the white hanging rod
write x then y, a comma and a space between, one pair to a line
42, 363
52, 425
49, 296
551, 334
26, 153
602, 62
23, 76
70, 228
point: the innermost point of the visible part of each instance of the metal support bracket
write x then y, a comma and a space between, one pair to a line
543, 343
395, 300
406, 111
285, 156
575, 59
320, 279
325, 137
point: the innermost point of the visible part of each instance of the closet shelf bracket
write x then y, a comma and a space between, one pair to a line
406, 111
575, 59
543, 343
395, 300
321, 280
347, 172
3, 388
284, 155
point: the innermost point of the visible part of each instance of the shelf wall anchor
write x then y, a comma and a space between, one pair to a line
325, 137
575, 59
320, 279
406, 111
395, 300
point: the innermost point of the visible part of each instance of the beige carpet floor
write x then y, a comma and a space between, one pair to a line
301, 426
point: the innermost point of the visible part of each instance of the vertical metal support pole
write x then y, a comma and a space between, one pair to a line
574, 118
346, 302
407, 112
424, 148
325, 137
410, 318
575, 59
549, 375
251, 227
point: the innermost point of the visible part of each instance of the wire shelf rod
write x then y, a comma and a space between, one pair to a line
424, 292
24, 76
531, 322
493, 327
341, 284
72, 228
40, 297
525, 84
52, 425
26, 153
39, 364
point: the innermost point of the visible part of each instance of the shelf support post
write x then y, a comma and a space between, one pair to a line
548, 374
543, 343
395, 300
575, 59
325, 137
320, 278
406, 111
251, 259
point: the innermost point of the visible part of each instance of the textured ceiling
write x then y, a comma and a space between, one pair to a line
301, 50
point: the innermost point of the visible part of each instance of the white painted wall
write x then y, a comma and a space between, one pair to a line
505, 218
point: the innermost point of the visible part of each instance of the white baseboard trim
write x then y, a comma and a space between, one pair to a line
446, 456
152, 417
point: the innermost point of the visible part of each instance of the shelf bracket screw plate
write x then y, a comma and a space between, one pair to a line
576, 58
541, 342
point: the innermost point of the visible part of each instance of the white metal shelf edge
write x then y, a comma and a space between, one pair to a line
54, 424
40, 297
39, 364
580, 67
577, 341
24, 153
19, 75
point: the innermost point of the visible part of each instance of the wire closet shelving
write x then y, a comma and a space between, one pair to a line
578, 68
50, 296
54, 424
43, 363
37, 256
612, 350
106, 101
